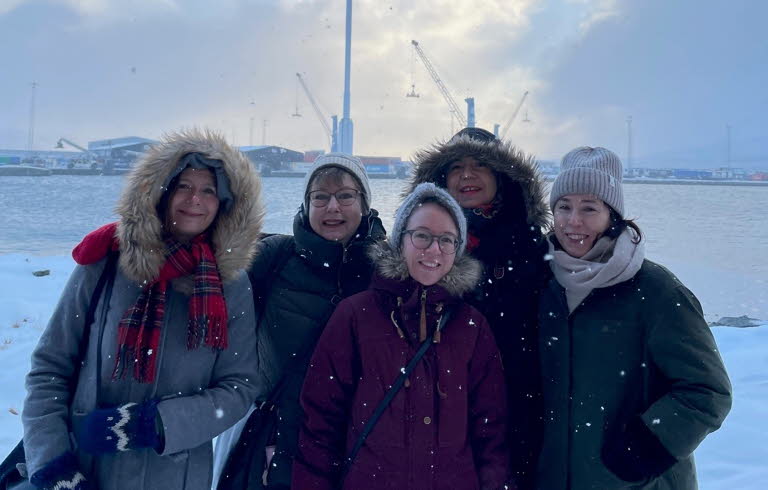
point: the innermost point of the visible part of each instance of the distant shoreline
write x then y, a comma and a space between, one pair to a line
40, 172
737, 183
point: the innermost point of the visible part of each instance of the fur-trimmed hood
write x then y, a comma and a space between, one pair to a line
511, 165
390, 264
140, 229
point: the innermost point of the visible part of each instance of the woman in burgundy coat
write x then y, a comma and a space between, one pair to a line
445, 428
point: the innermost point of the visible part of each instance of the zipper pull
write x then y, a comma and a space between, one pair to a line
423, 317
344, 257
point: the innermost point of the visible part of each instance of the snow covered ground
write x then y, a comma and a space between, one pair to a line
735, 457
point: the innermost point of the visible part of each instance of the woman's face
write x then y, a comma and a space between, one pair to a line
427, 266
471, 183
193, 204
334, 221
580, 220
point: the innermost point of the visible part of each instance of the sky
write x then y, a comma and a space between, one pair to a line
685, 71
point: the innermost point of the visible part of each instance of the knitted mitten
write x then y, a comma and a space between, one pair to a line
61, 472
636, 454
129, 426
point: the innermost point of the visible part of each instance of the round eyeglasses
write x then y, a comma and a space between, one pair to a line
423, 240
345, 197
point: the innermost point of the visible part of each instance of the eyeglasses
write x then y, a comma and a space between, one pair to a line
423, 240
345, 197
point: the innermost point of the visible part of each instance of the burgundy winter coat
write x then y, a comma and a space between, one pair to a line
444, 429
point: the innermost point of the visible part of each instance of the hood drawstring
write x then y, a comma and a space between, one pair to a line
392, 317
436, 336
423, 317
436, 339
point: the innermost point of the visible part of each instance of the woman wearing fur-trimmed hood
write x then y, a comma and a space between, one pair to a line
503, 198
445, 428
170, 360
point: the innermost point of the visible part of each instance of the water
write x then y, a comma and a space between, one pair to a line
714, 237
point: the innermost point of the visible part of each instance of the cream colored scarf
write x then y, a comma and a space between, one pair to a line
609, 262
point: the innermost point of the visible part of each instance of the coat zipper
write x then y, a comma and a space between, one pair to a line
423, 317
339, 290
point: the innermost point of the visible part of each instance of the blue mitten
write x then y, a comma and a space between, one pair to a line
111, 430
62, 472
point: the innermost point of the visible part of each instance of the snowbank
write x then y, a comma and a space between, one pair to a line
733, 457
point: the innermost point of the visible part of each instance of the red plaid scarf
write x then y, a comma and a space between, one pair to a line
139, 330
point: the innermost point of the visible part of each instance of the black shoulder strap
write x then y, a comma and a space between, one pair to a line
105, 283
390, 395
106, 275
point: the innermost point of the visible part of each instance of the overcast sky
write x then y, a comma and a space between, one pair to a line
682, 69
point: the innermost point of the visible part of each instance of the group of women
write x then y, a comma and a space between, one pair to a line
513, 347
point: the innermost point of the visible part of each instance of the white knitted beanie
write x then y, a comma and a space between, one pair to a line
346, 162
587, 170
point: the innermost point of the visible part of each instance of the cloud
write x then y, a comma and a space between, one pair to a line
8, 5
109, 68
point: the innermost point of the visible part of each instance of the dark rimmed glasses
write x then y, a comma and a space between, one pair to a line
345, 197
448, 244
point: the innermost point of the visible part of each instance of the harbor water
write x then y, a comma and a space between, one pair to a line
715, 238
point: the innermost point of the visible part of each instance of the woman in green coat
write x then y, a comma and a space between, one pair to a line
631, 375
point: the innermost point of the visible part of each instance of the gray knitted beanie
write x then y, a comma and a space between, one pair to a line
587, 170
423, 192
343, 161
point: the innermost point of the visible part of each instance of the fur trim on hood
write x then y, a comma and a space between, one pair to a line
390, 264
140, 230
511, 164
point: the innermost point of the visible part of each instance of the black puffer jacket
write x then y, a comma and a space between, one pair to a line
511, 249
299, 300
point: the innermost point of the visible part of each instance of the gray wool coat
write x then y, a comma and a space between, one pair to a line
202, 391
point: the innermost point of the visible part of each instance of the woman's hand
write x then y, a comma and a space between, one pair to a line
635, 454
61, 472
111, 430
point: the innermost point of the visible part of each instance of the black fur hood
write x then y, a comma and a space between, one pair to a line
512, 167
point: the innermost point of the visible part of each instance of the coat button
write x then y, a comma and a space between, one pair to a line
427, 420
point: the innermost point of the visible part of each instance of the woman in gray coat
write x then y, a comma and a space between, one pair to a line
171, 357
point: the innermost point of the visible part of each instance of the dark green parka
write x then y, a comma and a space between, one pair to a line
638, 348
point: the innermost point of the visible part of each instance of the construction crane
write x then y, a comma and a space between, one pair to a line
332, 134
443, 89
60, 144
93, 158
514, 115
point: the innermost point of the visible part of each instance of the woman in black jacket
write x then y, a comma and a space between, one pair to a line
632, 379
503, 199
297, 283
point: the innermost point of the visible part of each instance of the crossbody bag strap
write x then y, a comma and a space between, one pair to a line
390, 395
106, 281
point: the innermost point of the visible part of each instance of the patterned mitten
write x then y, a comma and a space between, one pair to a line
62, 472
129, 426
